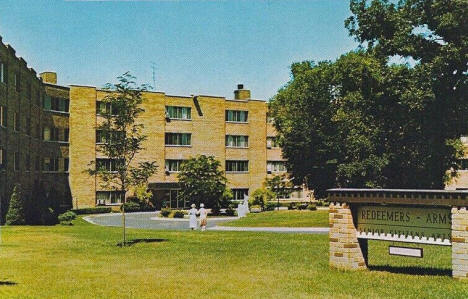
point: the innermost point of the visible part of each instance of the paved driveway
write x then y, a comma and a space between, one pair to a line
150, 220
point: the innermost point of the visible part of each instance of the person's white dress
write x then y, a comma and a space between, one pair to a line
193, 218
203, 215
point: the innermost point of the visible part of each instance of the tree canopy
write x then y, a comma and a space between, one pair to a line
365, 121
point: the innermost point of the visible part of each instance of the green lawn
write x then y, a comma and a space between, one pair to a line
283, 219
83, 261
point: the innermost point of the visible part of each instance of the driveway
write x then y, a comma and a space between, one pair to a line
150, 220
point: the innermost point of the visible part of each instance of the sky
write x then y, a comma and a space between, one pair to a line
196, 47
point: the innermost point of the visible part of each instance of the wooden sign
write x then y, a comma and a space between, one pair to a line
405, 224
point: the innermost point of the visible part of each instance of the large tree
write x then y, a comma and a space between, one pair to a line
433, 34
363, 122
202, 181
122, 136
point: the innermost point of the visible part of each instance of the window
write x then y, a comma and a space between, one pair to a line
3, 116
173, 165
16, 122
50, 164
28, 126
103, 137
237, 166
238, 194
16, 161
276, 166
109, 197
464, 164
236, 116
17, 82
2, 158
56, 104
272, 142
108, 164
181, 139
27, 166
66, 164
237, 141
174, 112
66, 135
46, 135
105, 108
29, 91
2, 72
37, 162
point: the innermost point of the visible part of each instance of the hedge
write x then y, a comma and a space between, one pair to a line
96, 210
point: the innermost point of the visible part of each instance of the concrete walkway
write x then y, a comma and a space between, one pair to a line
151, 220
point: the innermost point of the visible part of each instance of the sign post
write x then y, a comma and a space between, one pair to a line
437, 217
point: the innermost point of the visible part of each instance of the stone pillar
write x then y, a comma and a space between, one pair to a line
346, 252
460, 242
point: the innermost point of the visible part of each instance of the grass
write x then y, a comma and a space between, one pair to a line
83, 261
293, 218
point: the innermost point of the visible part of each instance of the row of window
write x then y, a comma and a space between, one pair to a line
48, 163
56, 104
55, 134
173, 165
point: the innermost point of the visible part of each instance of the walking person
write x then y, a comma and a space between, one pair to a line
203, 217
193, 217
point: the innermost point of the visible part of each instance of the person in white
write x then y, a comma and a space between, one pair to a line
193, 217
203, 217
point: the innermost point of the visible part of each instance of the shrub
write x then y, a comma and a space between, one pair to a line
178, 214
302, 206
312, 207
131, 206
66, 218
292, 206
261, 197
96, 210
165, 212
215, 211
271, 206
230, 211
16, 215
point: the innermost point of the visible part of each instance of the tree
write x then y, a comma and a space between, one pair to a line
362, 121
124, 139
202, 181
279, 185
16, 214
433, 34
260, 197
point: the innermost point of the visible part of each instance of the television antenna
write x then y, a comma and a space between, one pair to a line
153, 69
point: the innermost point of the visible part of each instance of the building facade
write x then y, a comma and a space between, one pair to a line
23, 153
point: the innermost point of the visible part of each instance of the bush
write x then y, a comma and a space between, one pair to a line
66, 218
230, 211
178, 214
261, 197
271, 206
16, 215
96, 210
302, 206
292, 206
130, 207
165, 212
311, 207
215, 211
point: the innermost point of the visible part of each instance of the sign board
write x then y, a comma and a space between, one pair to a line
405, 251
404, 224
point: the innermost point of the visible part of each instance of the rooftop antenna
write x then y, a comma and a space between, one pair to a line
153, 68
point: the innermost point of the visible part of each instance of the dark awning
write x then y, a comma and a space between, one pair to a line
163, 185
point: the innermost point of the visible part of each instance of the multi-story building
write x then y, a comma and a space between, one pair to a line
24, 157
48, 137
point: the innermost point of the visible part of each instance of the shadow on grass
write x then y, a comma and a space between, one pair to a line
412, 270
7, 283
136, 241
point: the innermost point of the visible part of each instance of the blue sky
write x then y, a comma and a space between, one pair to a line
198, 47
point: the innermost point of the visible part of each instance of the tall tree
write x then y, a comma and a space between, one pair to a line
202, 181
123, 136
434, 35
16, 214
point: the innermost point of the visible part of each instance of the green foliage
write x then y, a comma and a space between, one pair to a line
16, 214
67, 218
271, 206
165, 212
131, 206
96, 210
230, 211
178, 214
363, 122
279, 186
202, 181
261, 197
